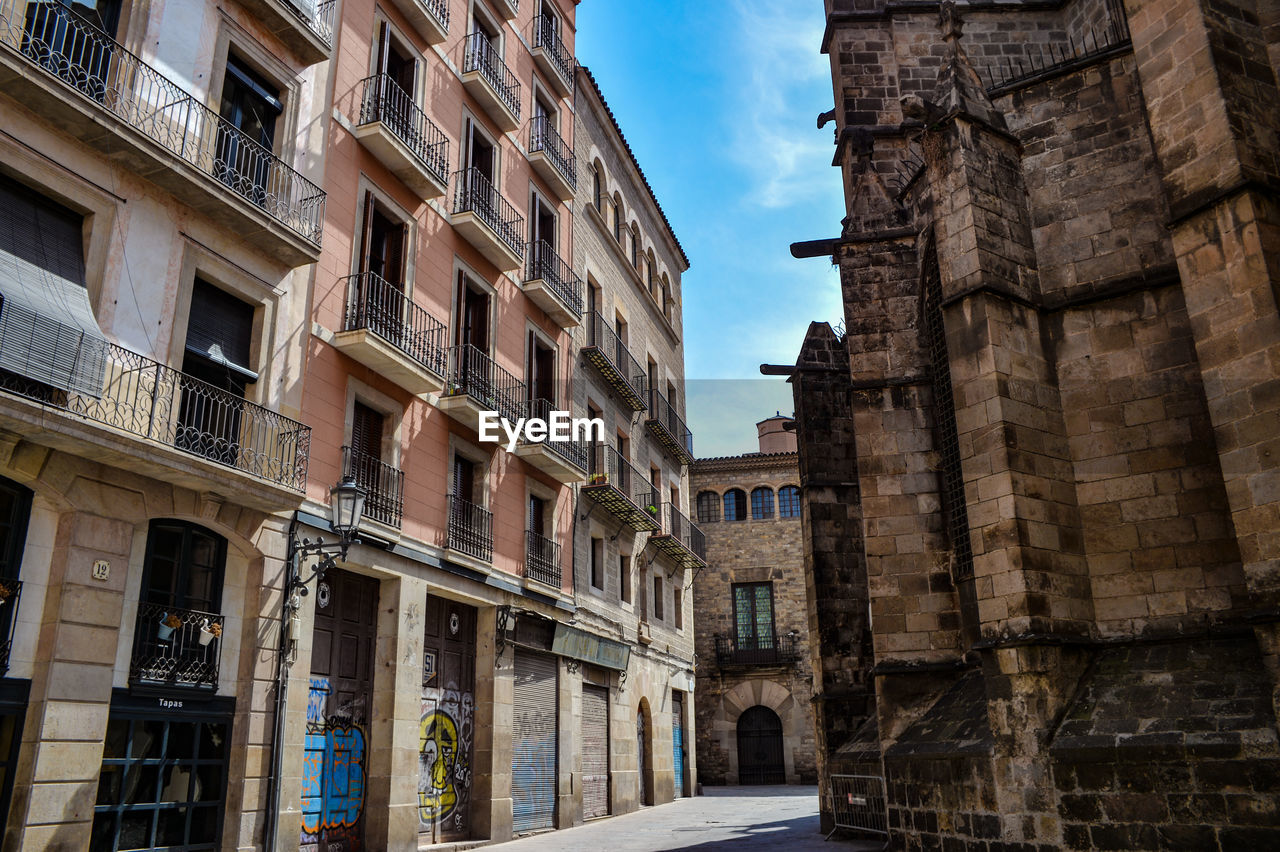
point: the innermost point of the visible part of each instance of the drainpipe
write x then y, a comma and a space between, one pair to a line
282, 691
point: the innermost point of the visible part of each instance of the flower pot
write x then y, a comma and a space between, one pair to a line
164, 632
206, 636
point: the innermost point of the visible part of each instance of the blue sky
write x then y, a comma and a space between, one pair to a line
719, 100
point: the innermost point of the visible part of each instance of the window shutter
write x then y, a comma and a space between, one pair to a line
47, 329
220, 328
366, 431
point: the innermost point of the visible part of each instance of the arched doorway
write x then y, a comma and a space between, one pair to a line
644, 755
760, 747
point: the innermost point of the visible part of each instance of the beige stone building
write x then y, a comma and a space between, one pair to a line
634, 547
160, 205
755, 676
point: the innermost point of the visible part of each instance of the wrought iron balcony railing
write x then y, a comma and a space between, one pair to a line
386, 102
615, 361
1045, 59
318, 19
575, 452
473, 193
546, 265
176, 647
546, 37
384, 308
10, 593
470, 529
161, 405
677, 526
669, 426
545, 138
439, 9
479, 54
621, 488
542, 559
88, 60
475, 374
771, 650
383, 483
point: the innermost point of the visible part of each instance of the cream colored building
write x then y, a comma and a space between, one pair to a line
159, 209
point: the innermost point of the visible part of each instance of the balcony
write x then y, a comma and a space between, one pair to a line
383, 484
622, 490
507, 8
402, 137
668, 429
542, 560
10, 594
470, 529
386, 331
476, 384
552, 158
772, 650
680, 538
551, 55
606, 351
486, 77
306, 27
487, 220
127, 110
192, 433
175, 647
551, 284
564, 461
428, 17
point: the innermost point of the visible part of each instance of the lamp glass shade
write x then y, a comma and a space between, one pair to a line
346, 502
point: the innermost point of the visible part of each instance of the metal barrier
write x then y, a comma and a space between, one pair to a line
857, 804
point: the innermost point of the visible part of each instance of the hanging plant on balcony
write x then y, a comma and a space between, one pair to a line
168, 624
6, 592
653, 510
598, 479
209, 632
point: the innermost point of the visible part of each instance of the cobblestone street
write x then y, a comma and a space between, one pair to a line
780, 818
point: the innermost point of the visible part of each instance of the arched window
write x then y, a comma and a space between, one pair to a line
635, 245
735, 505
617, 217
708, 507
762, 503
597, 189
649, 280
178, 604
788, 502
666, 296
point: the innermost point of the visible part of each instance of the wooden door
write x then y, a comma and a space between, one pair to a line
447, 729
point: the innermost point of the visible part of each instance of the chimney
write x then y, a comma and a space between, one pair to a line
774, 435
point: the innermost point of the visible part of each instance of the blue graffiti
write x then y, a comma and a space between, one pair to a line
333, 779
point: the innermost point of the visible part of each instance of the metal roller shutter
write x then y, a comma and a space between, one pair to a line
595, 751
677, 741
533, 752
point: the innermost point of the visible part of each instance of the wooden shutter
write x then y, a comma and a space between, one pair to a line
366, 231
595, 751
534, 746
366, 431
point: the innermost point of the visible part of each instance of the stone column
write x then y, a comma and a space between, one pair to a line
57, 777
491, 808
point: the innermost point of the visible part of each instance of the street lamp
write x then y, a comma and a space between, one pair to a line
346, 506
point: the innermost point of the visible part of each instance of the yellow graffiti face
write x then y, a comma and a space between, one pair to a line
438, 749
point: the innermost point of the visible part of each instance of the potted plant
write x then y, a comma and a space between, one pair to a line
209, 632
168, 624
6, 591
652, 509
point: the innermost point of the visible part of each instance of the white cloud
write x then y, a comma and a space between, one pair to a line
788, 82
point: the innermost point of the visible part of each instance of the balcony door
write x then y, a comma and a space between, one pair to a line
479, 152
753, 617
67, 39
396, 64
542, 373
382, 264
368, 427
249, 109
178, 605
542, 219
473, 315
215, 373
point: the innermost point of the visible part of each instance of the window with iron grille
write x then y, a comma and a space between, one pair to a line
953, 502
708, 507
735, 505
788, 502
753, 616
762, 503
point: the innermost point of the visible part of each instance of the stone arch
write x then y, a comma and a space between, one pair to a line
766, 693
644, 754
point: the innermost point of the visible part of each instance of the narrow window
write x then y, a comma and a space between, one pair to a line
788, 502
753, 616
677, 606
708, 507
735, 505
762, 504
657, 597
597, 563
624, 577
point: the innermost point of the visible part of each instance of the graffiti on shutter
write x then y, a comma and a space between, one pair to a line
533, 753
595, 751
